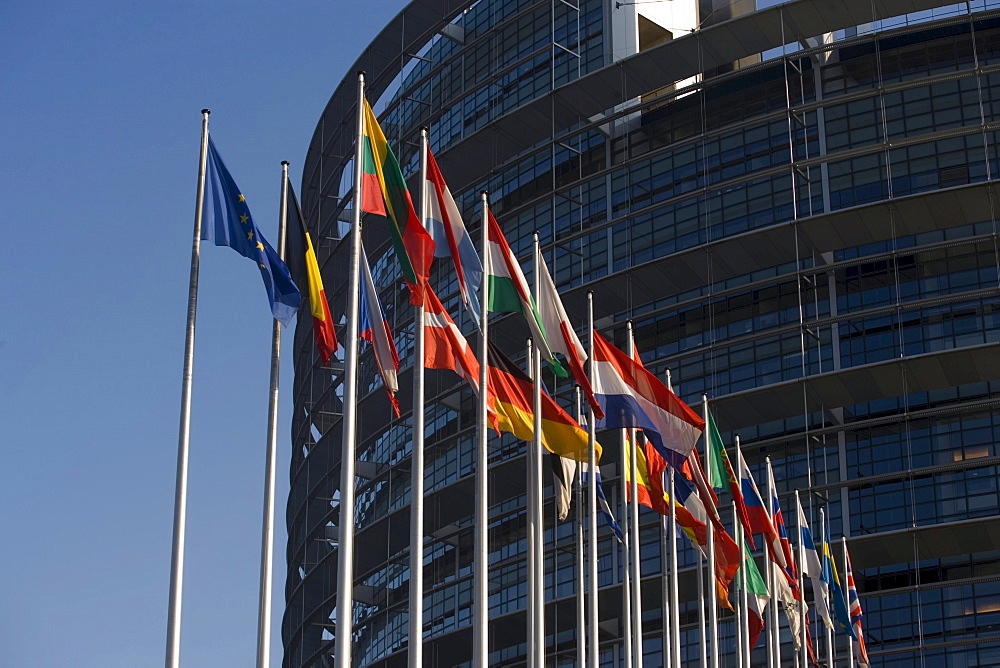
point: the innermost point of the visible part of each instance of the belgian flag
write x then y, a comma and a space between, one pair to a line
305, 268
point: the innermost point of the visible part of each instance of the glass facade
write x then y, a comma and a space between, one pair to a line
809, 238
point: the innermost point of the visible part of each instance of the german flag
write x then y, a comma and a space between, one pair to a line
384, 193
305, 268
510, 393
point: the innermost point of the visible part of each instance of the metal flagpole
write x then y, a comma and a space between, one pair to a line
626, 578
345, 532
267, 538
831, 651
593, 645
702, 631
537, 519
634, 532
184, 437
674, 576
666, 608
533, 510
480, 593
581, 611
744, 595
415, 610
802, 593
740, 610
847, 598
713, 608
775, 632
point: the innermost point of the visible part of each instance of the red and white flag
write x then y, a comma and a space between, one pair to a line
445, 347
444, 222
562, 337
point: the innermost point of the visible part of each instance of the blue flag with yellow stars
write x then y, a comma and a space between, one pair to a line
226, 221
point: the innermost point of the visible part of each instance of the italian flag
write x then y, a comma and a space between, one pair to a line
384, 193
508, 292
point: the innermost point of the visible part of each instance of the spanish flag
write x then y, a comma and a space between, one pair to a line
306, 270
384, 193
510, 394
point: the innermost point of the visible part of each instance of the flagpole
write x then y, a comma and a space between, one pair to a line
634, 530
846, 588
665, 586
802, 593
480, 592
267, 539
184, 437
674, 575
537, 519
593, 645
415, 611
532, 533
831, 651
744, 594
626, 576
775, 637
581, 612
343, 628
713, 609
740, 610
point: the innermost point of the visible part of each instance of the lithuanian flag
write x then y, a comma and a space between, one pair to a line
384, 193
305, 270
510, 395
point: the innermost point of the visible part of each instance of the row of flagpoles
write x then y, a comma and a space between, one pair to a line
660, 462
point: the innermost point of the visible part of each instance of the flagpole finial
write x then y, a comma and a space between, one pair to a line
483, 193
206, 111
361, 73
285, 163
425, 129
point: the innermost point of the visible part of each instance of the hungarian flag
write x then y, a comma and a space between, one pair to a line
510, 395
384, 193
757, 516
757, 596
305, 269
375, 330
563, 338
508, 292
444, 222
445, 347
721, 474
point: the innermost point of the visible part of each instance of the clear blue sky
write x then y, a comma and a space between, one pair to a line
99, 140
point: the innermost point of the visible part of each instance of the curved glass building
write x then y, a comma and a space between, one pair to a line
796, 207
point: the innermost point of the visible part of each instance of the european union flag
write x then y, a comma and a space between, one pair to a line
226, 221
